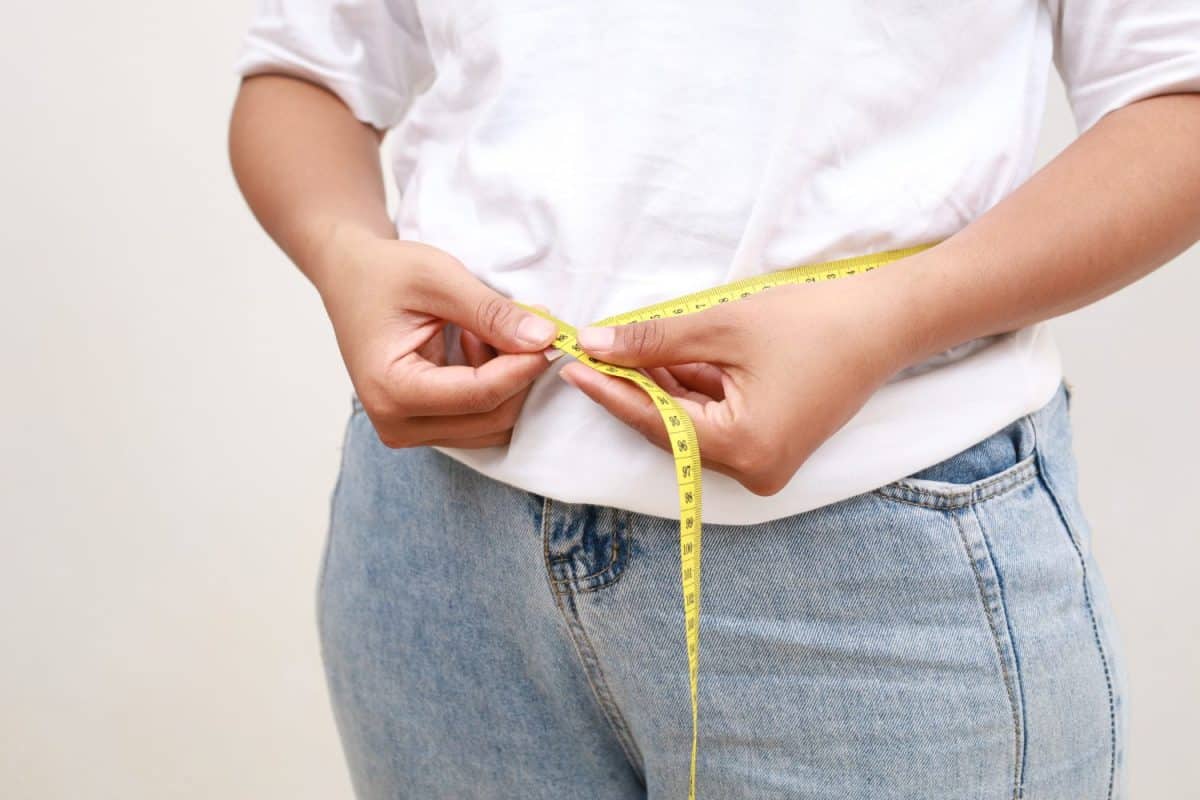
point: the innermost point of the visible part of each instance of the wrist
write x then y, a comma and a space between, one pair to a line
921, 310
336, 252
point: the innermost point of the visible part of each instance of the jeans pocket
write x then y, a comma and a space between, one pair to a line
994, 465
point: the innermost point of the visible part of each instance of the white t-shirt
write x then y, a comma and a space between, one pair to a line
597, 157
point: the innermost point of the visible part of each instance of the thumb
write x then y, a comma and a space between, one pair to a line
476, 307
710, 336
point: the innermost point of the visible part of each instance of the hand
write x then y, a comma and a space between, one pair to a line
389, 302
766, 379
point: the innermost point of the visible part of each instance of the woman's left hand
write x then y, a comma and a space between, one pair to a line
766, 379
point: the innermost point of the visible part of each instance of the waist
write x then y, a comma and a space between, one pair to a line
912, 422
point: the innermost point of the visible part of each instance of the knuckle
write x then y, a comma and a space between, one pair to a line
643, 339
508, 413
764, 484
727, 327
393, 438
765, 467
385, 405
751, 455
493, 314
483, 398
378, 412
651, 426
744, 461
387, 419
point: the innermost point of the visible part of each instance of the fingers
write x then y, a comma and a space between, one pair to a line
485, 425
434, 350
491, 440
714, 335
473, 405
722, 449
475, 350
699, 381
483, 429
627, 402
419, 388
623, 400
460, 297
478, 351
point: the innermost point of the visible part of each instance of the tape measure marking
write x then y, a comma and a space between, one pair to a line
682, 433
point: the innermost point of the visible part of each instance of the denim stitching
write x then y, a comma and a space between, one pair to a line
588, 660
1011, 478
1016, 655
612, 562
566, 587
1087, 598
599, 684
607, 576
604, 577
1004, 671
600, 580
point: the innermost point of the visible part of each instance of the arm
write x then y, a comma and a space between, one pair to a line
309, 170
1118, 202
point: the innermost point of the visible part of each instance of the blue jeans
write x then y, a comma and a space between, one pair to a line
944, 636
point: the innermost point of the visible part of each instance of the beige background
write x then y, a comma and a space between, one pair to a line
172, 411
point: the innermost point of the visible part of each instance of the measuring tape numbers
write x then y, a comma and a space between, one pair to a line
682, 434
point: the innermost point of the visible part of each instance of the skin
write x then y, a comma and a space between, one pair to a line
310, 172
1120, 201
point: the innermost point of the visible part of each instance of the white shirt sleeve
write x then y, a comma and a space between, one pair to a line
370, 53
1113, 52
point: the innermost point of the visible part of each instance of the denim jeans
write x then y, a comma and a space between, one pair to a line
944, 636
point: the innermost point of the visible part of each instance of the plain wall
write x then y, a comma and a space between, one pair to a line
172, 414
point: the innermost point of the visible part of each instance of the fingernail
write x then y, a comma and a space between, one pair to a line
551, 354
535, 330
597, 338
566, 376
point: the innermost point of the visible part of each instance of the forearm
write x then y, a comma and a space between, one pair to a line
307, 167
1120, 201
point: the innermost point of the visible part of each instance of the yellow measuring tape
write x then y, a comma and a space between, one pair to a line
681, 432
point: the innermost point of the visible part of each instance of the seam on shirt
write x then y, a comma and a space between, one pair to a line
262, 56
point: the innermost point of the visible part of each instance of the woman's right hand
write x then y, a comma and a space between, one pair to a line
389, 301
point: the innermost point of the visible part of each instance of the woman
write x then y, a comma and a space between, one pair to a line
899, 595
